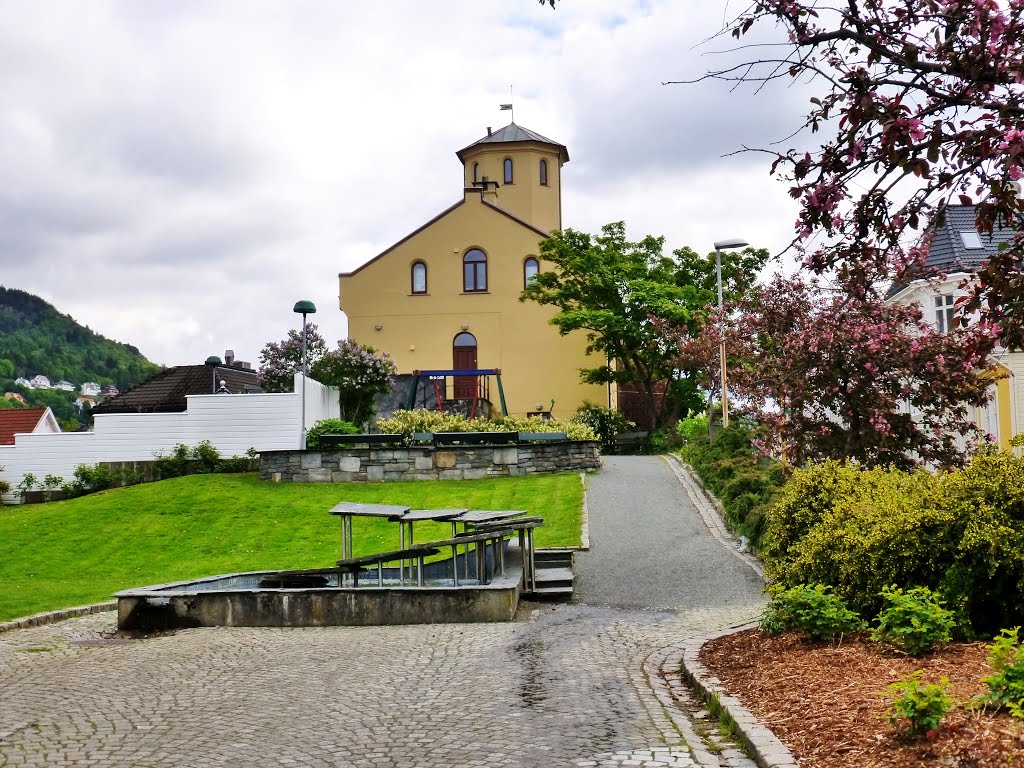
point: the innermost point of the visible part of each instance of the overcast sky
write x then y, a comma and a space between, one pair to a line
178, 174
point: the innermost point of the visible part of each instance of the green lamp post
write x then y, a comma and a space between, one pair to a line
303, 307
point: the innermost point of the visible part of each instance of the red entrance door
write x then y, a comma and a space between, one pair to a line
464, 359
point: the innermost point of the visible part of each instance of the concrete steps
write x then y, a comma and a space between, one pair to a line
554, 574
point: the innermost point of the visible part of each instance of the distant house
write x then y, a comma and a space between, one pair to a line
956, 251
23, 382
83, 401
21, 421
165, 392
16, 396
90, 389
41, 382
67, 386
110, 391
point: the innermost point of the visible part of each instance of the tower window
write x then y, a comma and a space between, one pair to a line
474, 271
544, 173
419, 277
530, 269
476, 173
508, 170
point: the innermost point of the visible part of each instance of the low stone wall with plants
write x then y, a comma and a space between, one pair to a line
369, 465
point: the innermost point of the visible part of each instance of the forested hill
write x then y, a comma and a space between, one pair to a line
37, 339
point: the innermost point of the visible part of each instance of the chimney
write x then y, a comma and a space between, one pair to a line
488, 130
229, 357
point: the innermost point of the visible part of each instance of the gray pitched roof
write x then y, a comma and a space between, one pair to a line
515, 133
949, 253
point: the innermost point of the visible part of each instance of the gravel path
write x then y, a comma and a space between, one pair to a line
578, 684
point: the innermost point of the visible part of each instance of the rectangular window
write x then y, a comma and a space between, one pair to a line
944, 313
971, 240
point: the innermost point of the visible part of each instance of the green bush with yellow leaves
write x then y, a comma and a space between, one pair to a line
959, 533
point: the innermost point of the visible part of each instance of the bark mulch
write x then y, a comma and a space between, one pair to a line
824, 702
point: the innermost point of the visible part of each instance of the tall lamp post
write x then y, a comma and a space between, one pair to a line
304, 307
213, 361
724, 245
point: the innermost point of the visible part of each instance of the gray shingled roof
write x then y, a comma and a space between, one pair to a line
165, 392
948, 252
513, 133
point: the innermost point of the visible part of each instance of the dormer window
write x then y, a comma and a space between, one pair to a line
508, 170
419, 277
543, 173
971, 240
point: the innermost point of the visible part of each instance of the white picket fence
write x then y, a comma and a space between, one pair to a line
232, 423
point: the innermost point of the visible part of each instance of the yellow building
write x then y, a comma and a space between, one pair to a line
446, 296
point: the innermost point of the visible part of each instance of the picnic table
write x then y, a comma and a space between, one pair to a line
347, 510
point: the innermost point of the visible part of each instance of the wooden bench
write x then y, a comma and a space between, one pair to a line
338, 441
631, 442
531, 437
483, 439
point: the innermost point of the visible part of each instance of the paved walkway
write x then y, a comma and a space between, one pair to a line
564, 685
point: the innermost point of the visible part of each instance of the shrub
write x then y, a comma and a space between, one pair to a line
1006, 684
923, 705
810, 608
420, 420
959, 533
329, 427
5, 486
205, 458
51, 483
605, 422
28, 482
174, 464
915, 620
730, 467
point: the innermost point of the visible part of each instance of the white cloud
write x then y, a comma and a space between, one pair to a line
179, 174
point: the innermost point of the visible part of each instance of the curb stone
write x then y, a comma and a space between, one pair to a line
765, 746
52, 617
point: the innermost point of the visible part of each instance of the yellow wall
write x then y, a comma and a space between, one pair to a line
417, 330
525, 197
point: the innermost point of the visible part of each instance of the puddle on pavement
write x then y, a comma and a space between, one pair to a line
531, 690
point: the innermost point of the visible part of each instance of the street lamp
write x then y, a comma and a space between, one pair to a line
724, 245
304, 307
213, 361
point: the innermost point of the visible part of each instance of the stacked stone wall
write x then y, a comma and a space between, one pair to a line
371, 465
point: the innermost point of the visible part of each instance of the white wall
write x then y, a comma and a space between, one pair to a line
232, 423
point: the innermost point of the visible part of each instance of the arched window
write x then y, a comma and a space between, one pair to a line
508, 170
419, 277
530, 269
476, 173
544, 173
474, 271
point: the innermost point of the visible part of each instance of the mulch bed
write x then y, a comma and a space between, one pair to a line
823, 701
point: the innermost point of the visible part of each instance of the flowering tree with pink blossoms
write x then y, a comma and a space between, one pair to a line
921, 103
832, 376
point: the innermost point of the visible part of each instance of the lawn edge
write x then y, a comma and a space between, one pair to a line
52, 617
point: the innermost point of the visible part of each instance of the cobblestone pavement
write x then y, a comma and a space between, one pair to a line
563, 685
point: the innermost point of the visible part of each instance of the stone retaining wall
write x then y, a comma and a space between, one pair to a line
369, 465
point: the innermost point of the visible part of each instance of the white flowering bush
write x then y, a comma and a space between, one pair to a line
359, 373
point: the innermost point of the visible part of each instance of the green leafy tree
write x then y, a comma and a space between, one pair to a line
280, 361
617, 291
359, 373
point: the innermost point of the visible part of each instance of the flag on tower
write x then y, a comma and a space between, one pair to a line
506, 106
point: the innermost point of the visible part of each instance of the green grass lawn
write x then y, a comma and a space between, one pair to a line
68, 553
